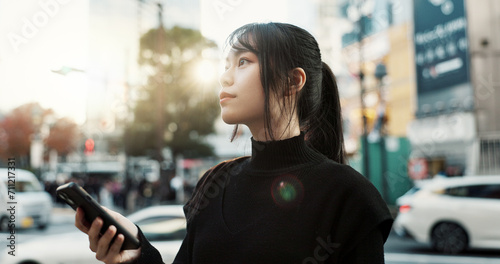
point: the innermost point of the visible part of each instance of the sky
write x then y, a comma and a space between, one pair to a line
221, 17
100, 38
32, 43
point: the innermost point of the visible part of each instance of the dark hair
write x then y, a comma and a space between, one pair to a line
281, 48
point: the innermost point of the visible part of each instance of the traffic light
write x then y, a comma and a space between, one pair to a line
89, 146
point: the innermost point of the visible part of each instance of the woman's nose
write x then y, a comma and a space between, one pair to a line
226, 78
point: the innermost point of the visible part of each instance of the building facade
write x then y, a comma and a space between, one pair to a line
456, 130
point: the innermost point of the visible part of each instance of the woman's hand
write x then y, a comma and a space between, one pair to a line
100, 244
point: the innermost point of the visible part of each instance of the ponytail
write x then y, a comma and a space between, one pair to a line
324, 128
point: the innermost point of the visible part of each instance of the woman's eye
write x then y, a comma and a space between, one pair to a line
242, 62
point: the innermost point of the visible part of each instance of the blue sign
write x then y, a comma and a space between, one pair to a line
442, 57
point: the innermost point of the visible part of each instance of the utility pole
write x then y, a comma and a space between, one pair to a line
160, 100
380, 73
364, 136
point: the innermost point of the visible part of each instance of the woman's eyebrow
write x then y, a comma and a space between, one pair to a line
236, 53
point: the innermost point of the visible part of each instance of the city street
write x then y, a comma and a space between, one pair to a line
61, 222
405, 251
397, 250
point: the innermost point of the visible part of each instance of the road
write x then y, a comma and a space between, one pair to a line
405, 251
61, 222
397, 250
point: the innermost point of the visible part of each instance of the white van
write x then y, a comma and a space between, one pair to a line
31, 205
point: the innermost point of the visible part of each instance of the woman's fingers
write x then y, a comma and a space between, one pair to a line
93, 233
80, 221
113, 254
117, 245
106, 251
104, 242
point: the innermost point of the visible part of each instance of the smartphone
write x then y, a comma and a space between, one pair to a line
75, 196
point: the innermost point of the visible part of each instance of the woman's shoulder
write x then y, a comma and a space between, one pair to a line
235, 160
230, 163
226, 165
333, 171
353, 189
343, 181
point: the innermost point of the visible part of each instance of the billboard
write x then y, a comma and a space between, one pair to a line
442, 57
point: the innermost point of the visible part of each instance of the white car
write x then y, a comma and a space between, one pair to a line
27, 205
164, 226
452, 214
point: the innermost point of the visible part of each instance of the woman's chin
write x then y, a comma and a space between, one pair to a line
228, 119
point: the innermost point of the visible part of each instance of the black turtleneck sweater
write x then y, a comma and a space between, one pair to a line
286, 203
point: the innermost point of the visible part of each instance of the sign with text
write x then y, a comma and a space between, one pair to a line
441, 56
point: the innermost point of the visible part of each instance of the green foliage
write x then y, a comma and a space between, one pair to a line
188, 106
173, 43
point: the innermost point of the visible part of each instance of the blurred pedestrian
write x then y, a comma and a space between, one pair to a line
294, 200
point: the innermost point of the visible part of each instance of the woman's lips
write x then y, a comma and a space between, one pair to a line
224, 99
225, 96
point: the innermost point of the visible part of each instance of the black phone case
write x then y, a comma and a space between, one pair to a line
75, 196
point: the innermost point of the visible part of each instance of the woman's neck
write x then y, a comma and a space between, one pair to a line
282, 131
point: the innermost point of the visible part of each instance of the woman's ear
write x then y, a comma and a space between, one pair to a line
297, 80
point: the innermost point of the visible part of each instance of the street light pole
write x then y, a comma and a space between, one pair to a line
160, 100
380, 73
364, 136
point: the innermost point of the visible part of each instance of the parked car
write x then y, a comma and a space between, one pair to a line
452, 214
164, 226
30, 205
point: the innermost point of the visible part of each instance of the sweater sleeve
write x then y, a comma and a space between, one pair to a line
182, 256
149, 254
365, 217
369, 250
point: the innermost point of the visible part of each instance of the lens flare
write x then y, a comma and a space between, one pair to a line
287, 190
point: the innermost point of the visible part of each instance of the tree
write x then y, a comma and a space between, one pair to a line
177, 109
16, 130
63, 137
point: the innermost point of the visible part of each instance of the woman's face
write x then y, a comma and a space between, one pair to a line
242, 95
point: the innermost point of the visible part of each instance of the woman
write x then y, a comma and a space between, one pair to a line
294, 200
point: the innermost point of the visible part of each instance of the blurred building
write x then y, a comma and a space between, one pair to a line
424, 75
457, 50
378, 84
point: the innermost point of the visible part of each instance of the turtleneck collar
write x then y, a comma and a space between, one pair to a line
282, 154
